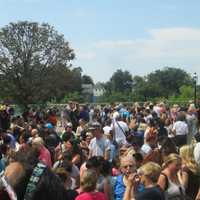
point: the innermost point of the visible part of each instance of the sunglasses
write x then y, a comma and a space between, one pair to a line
126, 166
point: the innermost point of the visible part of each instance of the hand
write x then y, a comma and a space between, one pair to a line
133, 179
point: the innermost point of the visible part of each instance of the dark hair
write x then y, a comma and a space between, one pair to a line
138, 157
106, 168
93, 162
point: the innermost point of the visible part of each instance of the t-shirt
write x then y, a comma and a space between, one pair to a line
153, 193
181, 128
98, 147
91, 196
146, 149
120, 128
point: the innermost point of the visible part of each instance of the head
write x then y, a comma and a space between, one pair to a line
181, 116
34, 133
138, 159
167, 147
88, 181
172, 162
20, 173
68, 127
149, 173
127, 165
64, 177
96, 130
38, 143
186, 153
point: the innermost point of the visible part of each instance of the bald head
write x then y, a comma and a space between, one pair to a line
34, 133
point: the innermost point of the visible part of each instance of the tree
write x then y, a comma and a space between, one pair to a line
121, 81
87, 80
169, 80
34, 62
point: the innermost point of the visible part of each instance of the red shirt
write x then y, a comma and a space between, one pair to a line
91, 196
45, 156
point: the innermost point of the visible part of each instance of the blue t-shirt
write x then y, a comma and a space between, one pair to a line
120, 188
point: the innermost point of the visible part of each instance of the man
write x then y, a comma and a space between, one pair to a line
119, 128
69, 133
99, 145
128, 169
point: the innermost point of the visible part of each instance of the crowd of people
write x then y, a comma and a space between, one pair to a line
105, 152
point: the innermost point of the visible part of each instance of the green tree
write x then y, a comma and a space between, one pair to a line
121, 81
33, 62
87, 80
169, 81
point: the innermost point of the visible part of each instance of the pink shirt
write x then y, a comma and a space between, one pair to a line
91, 196
45, 156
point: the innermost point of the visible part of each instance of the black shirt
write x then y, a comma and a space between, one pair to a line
153, 193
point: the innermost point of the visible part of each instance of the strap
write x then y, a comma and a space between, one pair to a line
34, 179
166, 181
120, 128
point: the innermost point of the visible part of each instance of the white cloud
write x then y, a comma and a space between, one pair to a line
177, 47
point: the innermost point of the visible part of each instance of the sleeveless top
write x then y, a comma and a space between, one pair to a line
174, 191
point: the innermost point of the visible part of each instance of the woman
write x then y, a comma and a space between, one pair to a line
148, 174
190, 172
169, 180
88, 185
72, 146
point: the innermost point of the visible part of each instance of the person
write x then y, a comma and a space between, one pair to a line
99, 145
28, 178
120, 129
73, 147
69, 133
190, 171
148, 174
128, 168
113, 148
169, 180
192, 123
180, 130
66, 180
88, 185
44, 154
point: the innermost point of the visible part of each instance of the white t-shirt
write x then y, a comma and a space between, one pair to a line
119, 134
98, 147
197, 153
146, 149
180, 127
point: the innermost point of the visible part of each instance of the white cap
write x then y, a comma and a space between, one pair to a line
107, 130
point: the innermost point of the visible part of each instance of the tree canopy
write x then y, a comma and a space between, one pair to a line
34, 62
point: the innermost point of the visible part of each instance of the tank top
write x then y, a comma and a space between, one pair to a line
174, 191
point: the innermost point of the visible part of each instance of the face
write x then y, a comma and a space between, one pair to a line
128, 167
69, 129
175, 166
68, 145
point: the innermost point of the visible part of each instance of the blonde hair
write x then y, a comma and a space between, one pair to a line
186, 153
151, 170
88, 180
170, 158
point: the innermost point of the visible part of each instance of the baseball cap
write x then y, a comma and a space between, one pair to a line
49, 125
69, 124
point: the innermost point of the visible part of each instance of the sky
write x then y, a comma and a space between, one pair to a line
140, 36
